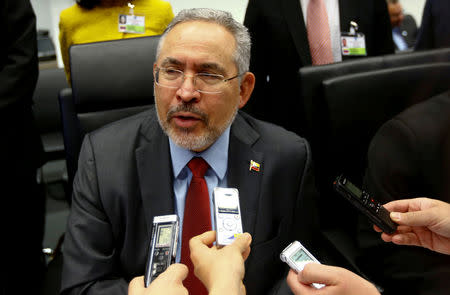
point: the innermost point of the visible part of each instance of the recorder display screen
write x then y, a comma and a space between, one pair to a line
228, 206
300, 256
356, 191
164, 236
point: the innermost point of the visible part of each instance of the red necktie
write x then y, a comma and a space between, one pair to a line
319, 33
197, 220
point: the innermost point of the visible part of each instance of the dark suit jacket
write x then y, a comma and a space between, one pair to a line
410, 157
18, 77
434, 30
408, 30
280, 47
124, 178
20, 148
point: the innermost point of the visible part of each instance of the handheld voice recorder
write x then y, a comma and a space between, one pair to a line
297, 256
163, 246
365, 204
227, 214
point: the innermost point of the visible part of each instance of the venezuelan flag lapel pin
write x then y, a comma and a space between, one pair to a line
254, 166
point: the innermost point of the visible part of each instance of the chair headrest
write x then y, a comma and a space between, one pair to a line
113, 74
379, 95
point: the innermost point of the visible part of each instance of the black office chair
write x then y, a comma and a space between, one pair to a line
357, 105
311, 84
46, 111
48, 121
353, 107
311, 78
110, 80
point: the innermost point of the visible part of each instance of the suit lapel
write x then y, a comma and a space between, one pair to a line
154, 172
247, 181
292, 12
348, 11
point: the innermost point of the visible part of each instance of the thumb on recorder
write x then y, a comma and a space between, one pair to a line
422, 222
169, 282
337, 280
221, 270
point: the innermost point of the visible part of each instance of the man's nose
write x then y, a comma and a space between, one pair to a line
187, 90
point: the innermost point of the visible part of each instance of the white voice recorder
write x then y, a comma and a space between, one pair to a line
227, 214
297, 256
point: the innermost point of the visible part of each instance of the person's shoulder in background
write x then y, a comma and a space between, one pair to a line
67, 15
159, 12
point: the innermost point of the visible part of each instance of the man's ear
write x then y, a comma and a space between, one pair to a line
246, 88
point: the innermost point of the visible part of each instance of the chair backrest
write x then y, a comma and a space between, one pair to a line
354, 106
357, 105
110, 80
46, 111
113, 74
311, 78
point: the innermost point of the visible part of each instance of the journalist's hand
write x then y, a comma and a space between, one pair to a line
422, 222
338, 281
220, 269
170, 282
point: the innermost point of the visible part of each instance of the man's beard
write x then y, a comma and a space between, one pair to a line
183, 137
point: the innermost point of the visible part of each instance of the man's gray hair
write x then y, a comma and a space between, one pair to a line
239, 31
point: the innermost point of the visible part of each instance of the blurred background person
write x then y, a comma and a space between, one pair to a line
21, 152
434, 30
404, 27
287, 35
100, 20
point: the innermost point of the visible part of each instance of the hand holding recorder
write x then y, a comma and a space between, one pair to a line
222, 269
337, 281
365, 204
169, 282
423, 222
307, 275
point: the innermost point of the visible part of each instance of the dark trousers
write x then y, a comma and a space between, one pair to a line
22, 202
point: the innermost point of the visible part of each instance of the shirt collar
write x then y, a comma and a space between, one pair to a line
216, 155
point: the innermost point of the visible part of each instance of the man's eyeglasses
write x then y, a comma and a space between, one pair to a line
203, 82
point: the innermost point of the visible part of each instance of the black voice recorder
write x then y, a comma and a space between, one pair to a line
163, 246
365, 204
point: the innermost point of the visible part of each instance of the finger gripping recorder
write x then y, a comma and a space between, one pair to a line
297, 256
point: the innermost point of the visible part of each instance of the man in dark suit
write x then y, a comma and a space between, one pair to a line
280, 47
21, 151
135, 169
410, 157
404, 27
434, 31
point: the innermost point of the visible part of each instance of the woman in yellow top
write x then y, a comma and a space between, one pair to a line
100, 20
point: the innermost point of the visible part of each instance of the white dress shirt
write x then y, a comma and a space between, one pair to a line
332, 7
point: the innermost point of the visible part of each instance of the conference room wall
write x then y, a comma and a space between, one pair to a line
48, 11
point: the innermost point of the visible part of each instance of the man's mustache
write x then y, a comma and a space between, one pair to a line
186, 107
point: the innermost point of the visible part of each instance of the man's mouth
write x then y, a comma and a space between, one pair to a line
185, 120
186, 116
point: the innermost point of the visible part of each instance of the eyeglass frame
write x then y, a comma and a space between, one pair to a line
194, 77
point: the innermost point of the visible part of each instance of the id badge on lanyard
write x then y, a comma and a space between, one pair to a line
131, 22
353, 43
